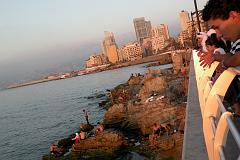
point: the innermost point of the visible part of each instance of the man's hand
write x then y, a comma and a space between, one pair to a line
200, 53
206, 59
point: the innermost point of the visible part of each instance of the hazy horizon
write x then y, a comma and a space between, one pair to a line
62, 60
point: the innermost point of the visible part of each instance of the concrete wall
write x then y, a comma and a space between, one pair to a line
194, 145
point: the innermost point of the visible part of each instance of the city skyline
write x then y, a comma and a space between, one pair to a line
42, 36
46, 25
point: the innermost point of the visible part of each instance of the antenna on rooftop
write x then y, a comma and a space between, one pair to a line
196, 10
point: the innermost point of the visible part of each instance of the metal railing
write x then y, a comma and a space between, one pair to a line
217, 121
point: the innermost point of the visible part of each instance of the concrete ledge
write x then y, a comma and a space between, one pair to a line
194, 145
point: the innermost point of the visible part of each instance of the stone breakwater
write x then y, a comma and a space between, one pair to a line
132, 109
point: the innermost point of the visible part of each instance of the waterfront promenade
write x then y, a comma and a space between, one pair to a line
194, 146
211, 132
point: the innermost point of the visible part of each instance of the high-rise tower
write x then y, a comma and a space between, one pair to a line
142, 28
161, 30
110, 47
184, 20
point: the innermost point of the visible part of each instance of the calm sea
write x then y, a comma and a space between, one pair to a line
33, 117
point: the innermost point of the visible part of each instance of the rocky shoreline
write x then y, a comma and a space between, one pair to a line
159, 96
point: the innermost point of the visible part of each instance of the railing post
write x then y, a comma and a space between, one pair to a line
221, 135
211, 110
206, 92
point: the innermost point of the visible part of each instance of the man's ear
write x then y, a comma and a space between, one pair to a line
234, 15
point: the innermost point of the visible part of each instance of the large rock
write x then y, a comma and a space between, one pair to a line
158, 101
115, 116
140, 118
157, 84
168, 114
106, 143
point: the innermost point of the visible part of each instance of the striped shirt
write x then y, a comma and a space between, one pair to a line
235, 47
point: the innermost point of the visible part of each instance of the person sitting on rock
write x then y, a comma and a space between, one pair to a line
76, 138
54, 149
162, 129
82, 135
155, 133
99, 128
120, 98
165, 128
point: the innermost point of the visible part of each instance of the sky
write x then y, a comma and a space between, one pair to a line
45, 34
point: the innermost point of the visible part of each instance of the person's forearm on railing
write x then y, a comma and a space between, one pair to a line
232, 61
220, 57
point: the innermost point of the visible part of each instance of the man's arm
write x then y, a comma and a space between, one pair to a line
232, 61
219, 57
208, 58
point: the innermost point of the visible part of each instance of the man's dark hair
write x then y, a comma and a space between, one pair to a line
220, 9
